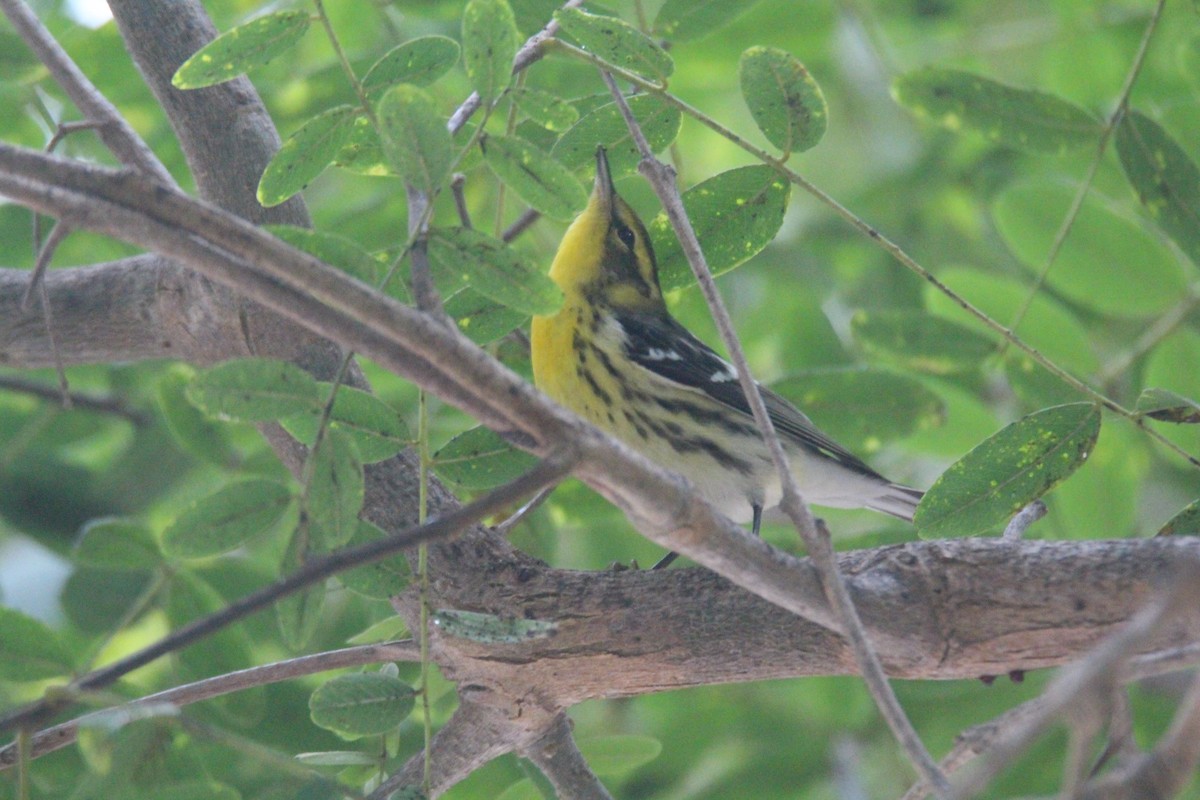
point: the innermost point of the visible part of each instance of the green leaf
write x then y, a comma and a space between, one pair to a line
490, 39
194, 431
335, 491
619, 755
478, 459
117, 543
482, 320
617, 42
338, 758
363, 704
376, 428
1008, 471
1185, 523
306, 154
97, 601
919, 341
32, 651
685, 20
419, 61
1047, 324
538, 179
1109, 263
229, 518
415, 139
1167, 406
1171, 365
225, 650
254, 390
785, 101
299, 613
241, 49
381, 579
493, 269
1165, 178
551, 112
491, 629
383, 631
1024, 119
863, 407
363, 151
605, 126
735, 215
1035, 384
336, 251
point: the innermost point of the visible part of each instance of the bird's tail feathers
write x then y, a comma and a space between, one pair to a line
899, 501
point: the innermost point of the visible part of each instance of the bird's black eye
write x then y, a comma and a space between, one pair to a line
626, 236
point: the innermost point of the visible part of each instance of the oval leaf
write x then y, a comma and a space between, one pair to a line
241, 49
117, 543
336, 251
538, 179
1166, 180
684, 20
228, 518
619, 755
1167, 406
552, 113
306, 154
863, 408
617, 42
1024, 119
491, 629
490, 39
1047, 324
254, 390
32, 651
1185, 523
482, 320
194, 431
415, 139
490, 267
382, 579
735, 215
1109, 263
299, 613
376, 428
479, 459
918, 341
605, 126
1008, 471
420, 62
785, 101
364, 704
335, 490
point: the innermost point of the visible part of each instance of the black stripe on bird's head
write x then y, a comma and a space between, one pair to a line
606, 254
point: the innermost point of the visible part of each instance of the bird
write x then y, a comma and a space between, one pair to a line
615, 355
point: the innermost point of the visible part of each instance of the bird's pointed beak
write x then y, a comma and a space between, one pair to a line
603, 192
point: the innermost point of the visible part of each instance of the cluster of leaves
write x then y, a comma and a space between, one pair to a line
929, 362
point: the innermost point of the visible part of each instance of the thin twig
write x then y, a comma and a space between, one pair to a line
457, 182
520, 225
59, 736
1093, 676
1015, 530
530, 52
112, 128
816, 539
1085, 186
44, 254
545, 472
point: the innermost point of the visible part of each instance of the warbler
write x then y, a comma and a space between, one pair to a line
614, 355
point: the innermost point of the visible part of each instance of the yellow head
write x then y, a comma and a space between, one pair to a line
606, 255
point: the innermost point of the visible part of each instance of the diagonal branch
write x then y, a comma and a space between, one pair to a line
557, 756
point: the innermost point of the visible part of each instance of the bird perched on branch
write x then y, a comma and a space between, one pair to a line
616, 356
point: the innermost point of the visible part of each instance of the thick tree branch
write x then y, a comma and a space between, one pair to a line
557, 756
